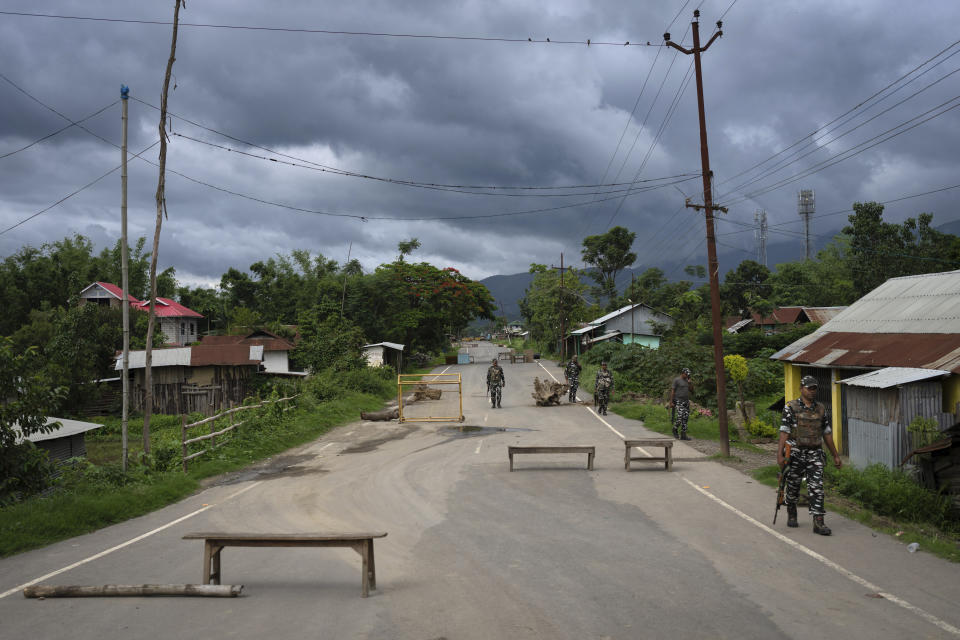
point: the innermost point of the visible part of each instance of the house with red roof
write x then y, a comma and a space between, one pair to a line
177, 322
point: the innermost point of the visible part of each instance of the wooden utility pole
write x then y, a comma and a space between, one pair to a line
712, 265
563, 332
124, 273
161, 211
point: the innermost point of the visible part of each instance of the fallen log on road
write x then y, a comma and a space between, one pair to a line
548, 393
80, 591
423, 392
386, 414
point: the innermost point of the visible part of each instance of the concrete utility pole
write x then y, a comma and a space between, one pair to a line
760, 217
563, 333
124, 272
806, 205
708, 207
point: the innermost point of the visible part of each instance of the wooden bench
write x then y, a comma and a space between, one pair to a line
666, 443
590, 451
213, 544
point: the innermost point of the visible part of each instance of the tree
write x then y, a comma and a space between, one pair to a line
746, 283
407, 247
609, 253
26, 399
737, 367
545, 304
327, 342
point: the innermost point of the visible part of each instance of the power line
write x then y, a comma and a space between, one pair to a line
783, 163
448, 187
586, 42
67, 197
855, 150
849, 111
345, 172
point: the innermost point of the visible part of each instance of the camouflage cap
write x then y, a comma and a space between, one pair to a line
685, 370
808, 381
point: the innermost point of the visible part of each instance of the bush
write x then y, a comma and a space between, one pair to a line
762, 429
24, 470
891, 493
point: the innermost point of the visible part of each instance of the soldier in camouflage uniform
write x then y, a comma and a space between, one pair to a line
495, 382
572, 372
680, 401
805, 424
603, 388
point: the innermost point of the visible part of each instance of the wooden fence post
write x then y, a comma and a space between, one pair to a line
183, 439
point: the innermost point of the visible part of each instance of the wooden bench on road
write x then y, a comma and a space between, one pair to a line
590, 451
213, 544
666, 443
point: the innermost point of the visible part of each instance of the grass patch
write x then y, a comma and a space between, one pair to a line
94, 493
889, 502
656, 417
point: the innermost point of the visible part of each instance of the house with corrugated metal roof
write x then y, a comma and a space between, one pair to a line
633, 324
276, 349
890, 357
781, 318
204, 378
177, 322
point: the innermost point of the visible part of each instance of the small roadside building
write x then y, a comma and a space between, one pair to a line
204, 378
66, 441
276, 349
906, 334
383, 353
632, 324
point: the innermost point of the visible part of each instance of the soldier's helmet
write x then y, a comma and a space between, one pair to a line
685, 370
494, 361
808, 381
603, 364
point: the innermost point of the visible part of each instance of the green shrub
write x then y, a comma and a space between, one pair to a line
762, 429
891, 493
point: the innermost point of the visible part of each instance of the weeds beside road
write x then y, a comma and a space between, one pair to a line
887, 501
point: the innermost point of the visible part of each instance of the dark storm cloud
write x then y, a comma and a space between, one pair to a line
465, 113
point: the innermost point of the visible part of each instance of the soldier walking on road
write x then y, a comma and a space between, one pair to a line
495, 382
804, 425
680, 401
572, 372
603, 388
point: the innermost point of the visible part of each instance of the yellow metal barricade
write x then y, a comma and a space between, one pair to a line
413, 379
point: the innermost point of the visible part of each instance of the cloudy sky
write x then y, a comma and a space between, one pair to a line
377, 136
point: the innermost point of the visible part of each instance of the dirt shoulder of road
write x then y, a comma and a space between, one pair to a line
742, 460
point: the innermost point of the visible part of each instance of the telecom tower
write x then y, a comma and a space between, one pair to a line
760, 217
806, 205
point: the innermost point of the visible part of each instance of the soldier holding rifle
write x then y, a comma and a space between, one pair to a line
805, 426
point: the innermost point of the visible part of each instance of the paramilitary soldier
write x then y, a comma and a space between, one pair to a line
573, 377
603, 387
805, 424
680, 401
495, 382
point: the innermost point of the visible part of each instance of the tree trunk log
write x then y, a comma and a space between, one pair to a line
423, 392
386, 414
548, 393
79, 591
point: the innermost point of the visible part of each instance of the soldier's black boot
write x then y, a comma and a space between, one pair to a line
676, 434
820, 527
792, 516
684, 436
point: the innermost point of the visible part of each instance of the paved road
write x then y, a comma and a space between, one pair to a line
549, 551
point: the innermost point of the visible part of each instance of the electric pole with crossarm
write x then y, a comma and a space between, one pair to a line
708, 207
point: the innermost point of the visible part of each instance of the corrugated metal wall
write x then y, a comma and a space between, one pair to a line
871, 442
878, 420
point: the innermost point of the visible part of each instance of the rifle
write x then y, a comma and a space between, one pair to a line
782, 482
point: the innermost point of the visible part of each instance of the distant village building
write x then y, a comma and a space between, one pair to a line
782, 318
177, 322
632, 324
382, 353
890, 357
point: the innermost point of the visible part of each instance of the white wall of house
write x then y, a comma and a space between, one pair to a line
276, 361
181, 331
374, 356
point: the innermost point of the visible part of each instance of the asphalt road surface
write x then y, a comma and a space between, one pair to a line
551, 550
